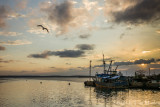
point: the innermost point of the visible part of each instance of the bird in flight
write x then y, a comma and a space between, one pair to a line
43, 28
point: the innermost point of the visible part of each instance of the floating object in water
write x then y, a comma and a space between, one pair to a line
33, 100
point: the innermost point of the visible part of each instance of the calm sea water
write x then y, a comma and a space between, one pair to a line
55, 92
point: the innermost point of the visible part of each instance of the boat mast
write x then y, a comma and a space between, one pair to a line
110, 66
104, 63
90, 71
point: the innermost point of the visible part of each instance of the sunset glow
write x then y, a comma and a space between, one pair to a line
78, 31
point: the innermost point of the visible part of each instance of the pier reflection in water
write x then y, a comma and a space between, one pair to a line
56, 93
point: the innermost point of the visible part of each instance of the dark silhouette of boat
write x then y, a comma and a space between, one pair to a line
110, 78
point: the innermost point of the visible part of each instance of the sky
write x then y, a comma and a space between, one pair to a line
126, 31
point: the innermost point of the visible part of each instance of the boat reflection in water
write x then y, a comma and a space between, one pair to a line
123, 97
111, 96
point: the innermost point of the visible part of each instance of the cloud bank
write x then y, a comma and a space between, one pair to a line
144, 11
85, 47
84, 36
63, 53
16, 42
5, 11
6, 61
139, 61
65, 16
80, 52
10, 34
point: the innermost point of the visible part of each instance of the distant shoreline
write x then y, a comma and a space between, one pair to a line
77, 76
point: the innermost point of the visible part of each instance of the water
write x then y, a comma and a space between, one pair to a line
55, 92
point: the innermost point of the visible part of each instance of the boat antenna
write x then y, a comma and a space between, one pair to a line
116, 68
90, 71
110, 66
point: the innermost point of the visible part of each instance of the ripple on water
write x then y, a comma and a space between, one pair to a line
53, 93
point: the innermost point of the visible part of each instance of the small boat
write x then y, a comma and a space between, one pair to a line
137, 83
144, 82
153, 84
89, 83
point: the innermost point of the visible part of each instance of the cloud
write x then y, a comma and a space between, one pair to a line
139, 61
85, 46
83, 68
61, 13
63, 53
158, 31
89, 5
68, 53
84, 36
42, 55
36, 31
123, 63
143, 61
10, 34
144, 52
6, 61
5, 11
68, 63
122, 35
65, 15
18, 73
16, 42
143, 12
107, 59
21, 4
15, 15
113, 6
2, 48
97, 66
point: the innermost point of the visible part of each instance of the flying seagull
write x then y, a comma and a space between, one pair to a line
43, 28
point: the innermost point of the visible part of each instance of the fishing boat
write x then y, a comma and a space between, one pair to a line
110, 78
153, 84
140, 80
